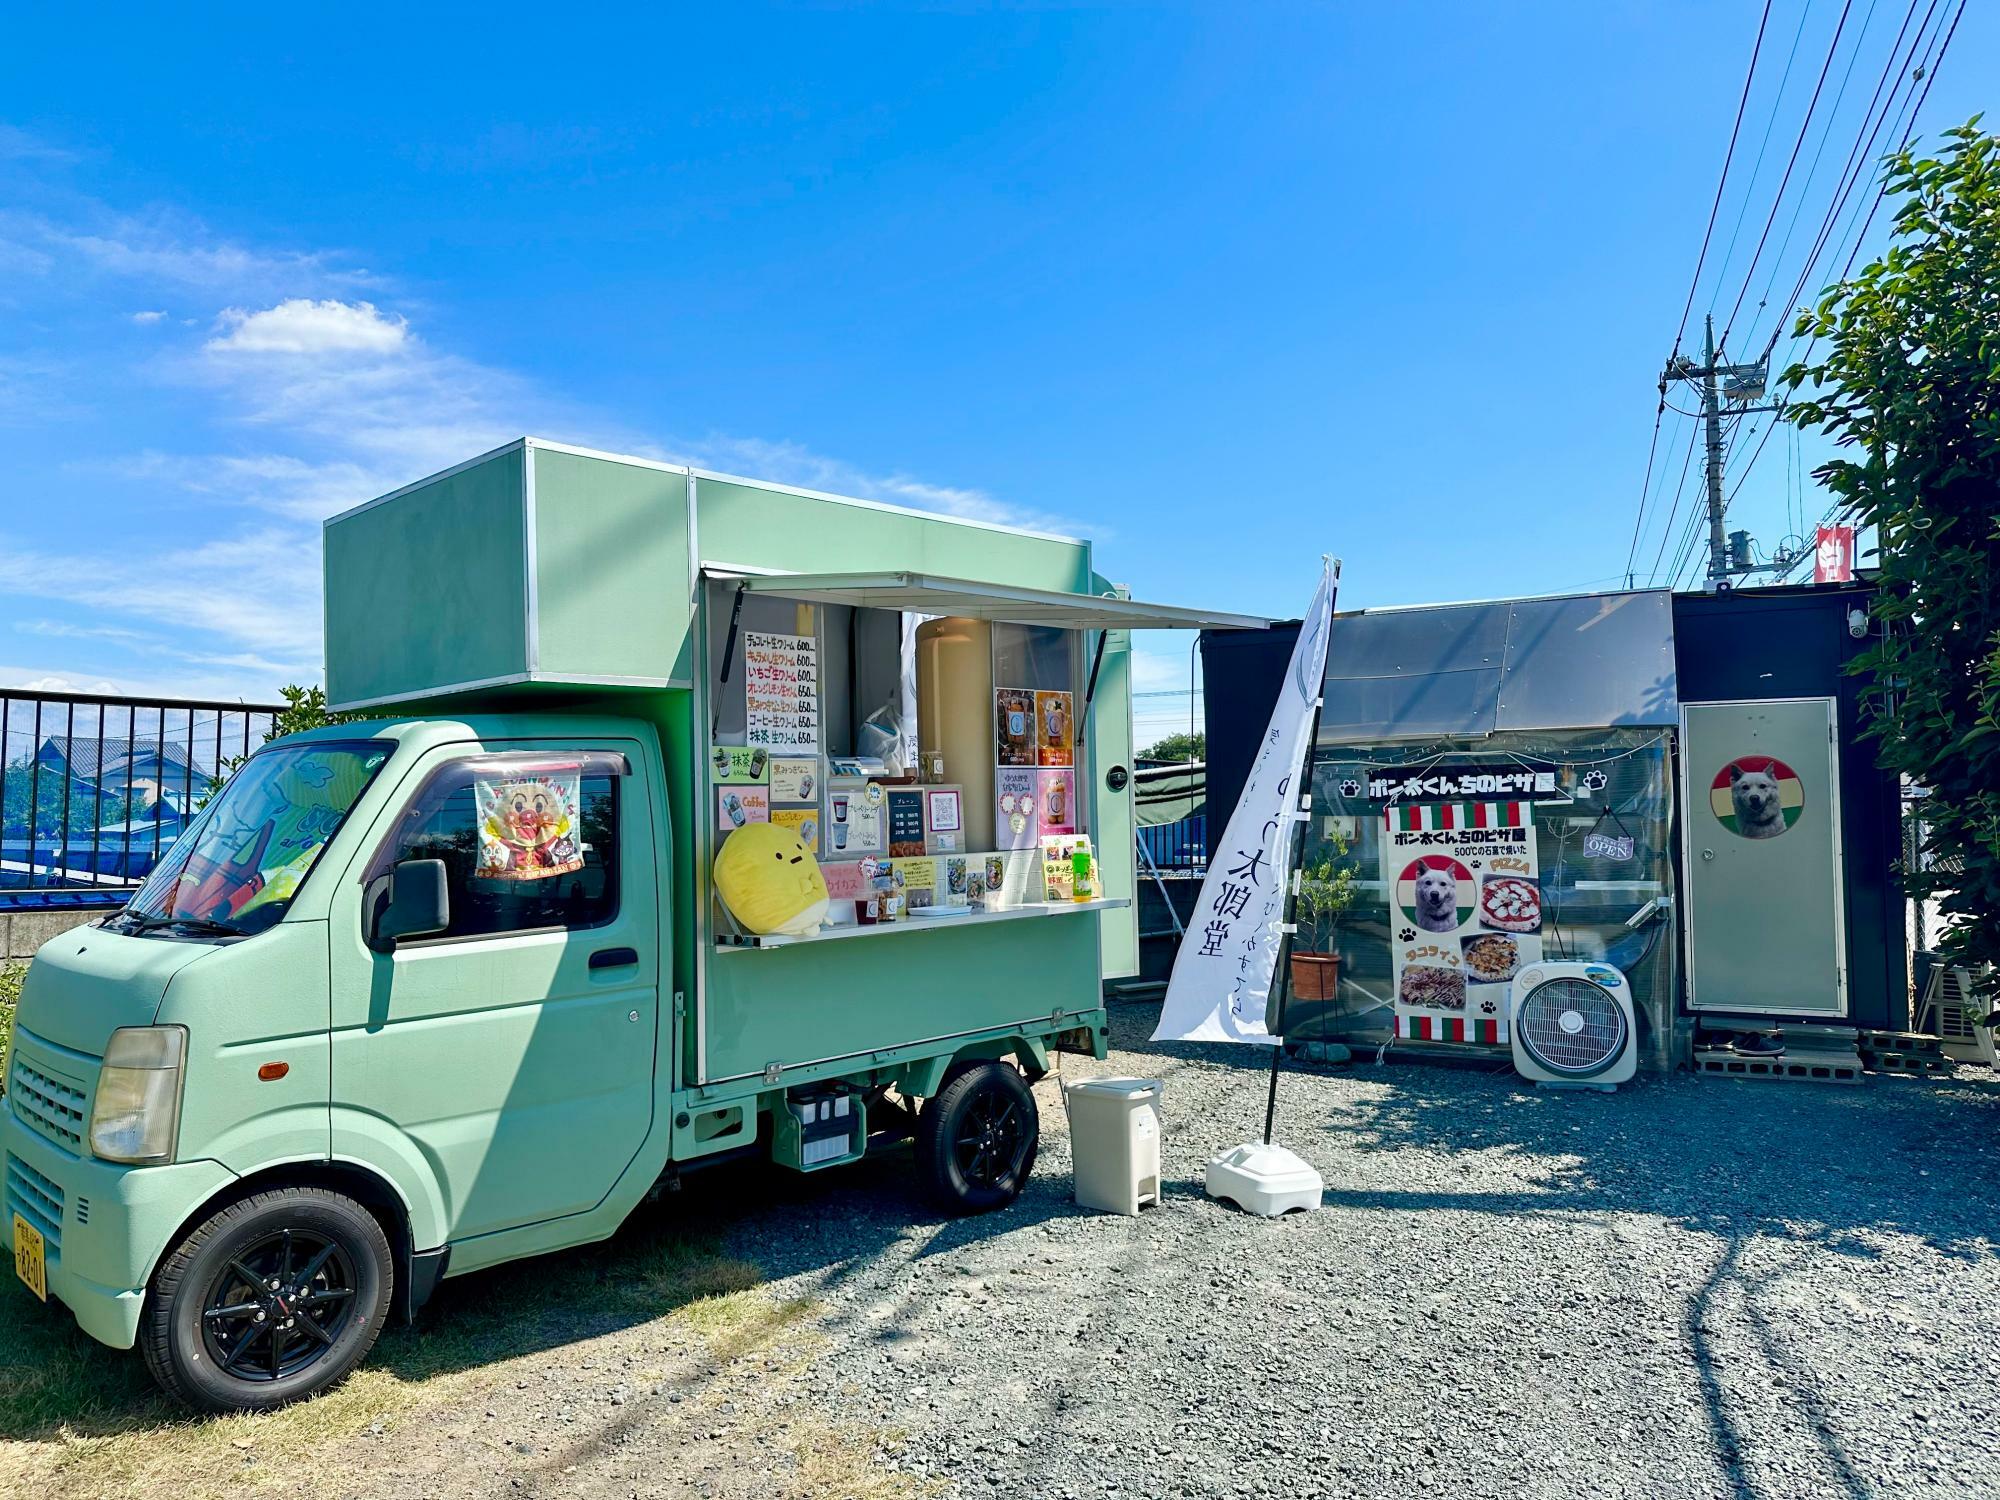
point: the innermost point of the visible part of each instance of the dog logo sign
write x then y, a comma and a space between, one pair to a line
1436, 892
1757, 796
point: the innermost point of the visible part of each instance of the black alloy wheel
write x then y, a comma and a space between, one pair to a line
977, 1139
275, 1296
278, 1305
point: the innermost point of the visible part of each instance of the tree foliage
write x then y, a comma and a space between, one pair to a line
1181, 746
1908, 386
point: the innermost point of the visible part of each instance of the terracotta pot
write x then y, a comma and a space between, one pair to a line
1315, 976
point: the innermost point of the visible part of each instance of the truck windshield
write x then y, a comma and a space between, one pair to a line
242, 860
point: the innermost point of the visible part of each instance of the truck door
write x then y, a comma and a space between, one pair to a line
515, 1049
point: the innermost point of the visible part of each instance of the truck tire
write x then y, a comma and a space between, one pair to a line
977, 1138
275, 1296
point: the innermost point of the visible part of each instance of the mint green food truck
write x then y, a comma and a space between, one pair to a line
690, 818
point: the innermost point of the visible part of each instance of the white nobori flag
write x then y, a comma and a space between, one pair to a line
1221, 983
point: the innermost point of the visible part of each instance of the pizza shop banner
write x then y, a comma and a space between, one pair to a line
1462, 781
1465, 893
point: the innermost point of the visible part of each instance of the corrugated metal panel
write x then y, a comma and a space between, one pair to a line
1578, 662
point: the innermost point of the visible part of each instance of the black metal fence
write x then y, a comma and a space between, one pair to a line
94, 790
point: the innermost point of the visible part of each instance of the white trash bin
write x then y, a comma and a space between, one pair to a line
1114, 1132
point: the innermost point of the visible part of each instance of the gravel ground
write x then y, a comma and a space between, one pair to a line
1683, 1289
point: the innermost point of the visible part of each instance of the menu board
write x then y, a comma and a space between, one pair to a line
1014, 726
1053, 729
738, 764
1055, 802
780, 693
844, 880
1014, 807
854, 822
738, 805
919, 878
795, 781
803, 821
1465, 912
906, 821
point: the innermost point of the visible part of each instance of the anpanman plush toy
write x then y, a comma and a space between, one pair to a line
770, 882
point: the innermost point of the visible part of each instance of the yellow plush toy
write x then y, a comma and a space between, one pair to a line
770, 882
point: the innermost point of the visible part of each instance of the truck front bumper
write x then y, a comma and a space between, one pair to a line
104, 1226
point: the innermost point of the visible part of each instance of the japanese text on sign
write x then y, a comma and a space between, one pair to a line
781, 692
1463, 784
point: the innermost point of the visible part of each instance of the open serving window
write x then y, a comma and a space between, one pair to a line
926, 739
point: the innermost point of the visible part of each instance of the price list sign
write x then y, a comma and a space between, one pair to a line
781, 693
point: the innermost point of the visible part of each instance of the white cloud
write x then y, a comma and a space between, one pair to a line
41, 680
167, 250
259, 590
17, 144
792, 463
301, 325
337, 398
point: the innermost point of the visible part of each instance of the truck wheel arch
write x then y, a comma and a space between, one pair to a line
923, 1080
417, 1274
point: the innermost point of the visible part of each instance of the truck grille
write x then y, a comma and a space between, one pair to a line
36, 1199
46, 1105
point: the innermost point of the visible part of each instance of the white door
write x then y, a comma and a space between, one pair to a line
1761, 789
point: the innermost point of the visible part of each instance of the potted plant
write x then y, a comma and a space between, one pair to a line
1326, 890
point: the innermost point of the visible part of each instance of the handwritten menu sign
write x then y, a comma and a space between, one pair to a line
781, 693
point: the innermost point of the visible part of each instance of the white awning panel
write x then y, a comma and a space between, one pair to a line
919, 593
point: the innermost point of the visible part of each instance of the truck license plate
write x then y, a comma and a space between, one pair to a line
28, 1262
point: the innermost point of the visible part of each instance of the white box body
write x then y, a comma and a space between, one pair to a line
1114, 1131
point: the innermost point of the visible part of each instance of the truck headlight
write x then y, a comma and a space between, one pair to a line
137, 1112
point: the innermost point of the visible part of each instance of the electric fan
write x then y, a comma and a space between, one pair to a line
1573, 1026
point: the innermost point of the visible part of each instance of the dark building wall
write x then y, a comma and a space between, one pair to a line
1241, 671
1794, 643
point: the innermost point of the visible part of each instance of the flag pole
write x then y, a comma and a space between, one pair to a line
1281, 989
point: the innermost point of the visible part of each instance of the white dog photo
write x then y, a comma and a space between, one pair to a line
1754, 793
1437, 898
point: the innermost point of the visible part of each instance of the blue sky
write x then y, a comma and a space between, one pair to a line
1221, 287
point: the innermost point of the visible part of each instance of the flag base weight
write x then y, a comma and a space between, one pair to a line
1265, 1180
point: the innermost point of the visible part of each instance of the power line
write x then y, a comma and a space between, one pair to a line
1909, 134
1812, 170
1930, 71
1727, 157
1864, 142
1646, 484
1857, 159
1805, 127
1770, 124
1680, 492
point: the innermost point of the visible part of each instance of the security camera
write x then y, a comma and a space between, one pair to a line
1857, 622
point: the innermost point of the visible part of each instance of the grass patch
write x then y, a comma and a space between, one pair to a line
11, 976
89, 1418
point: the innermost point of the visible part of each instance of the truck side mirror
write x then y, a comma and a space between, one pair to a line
419, 903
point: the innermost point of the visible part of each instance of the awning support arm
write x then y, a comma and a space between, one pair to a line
1090, 688
728, 659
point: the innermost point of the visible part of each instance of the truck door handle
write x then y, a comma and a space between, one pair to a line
615, 958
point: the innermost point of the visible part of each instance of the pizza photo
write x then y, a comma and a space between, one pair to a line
1508, 903
1490, 958
1432, 987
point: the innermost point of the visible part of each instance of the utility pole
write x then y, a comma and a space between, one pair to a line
1722, 384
